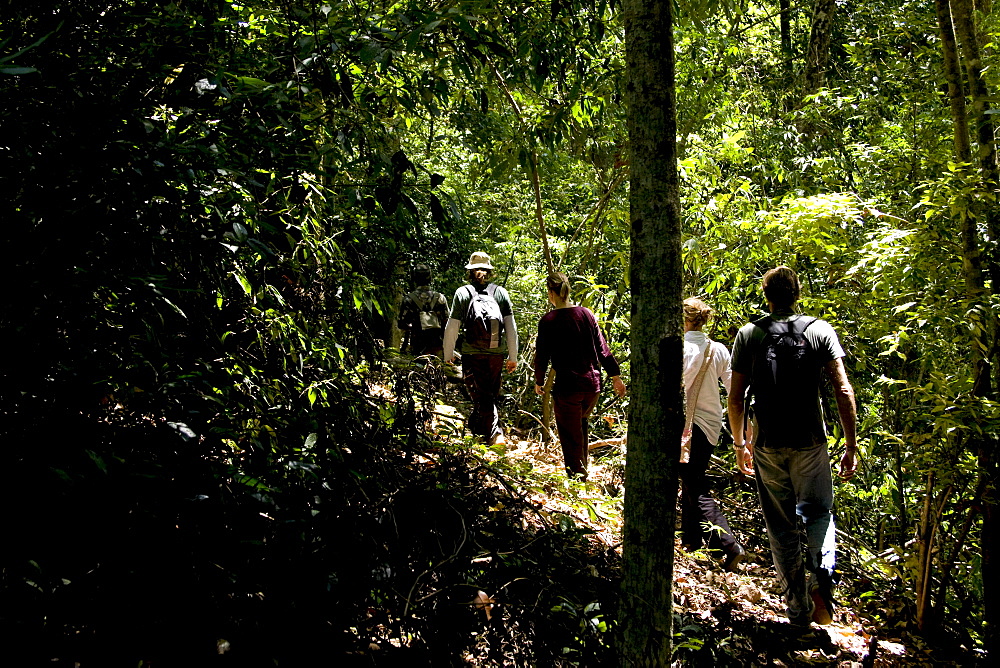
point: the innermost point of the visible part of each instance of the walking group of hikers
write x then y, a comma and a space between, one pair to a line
772, 381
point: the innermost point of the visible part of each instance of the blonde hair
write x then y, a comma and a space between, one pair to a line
696, 311
558, 284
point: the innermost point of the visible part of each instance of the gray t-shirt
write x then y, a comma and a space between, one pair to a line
460, 307
797, 421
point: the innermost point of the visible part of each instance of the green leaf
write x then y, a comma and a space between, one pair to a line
370, 52
37, 42
244, 283
240, 232
251, 82
260, 248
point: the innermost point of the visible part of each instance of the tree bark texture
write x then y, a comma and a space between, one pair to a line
818, 55
786, 45
656, 411
951, 15
965, 27
963, 147
963, 18
925, 544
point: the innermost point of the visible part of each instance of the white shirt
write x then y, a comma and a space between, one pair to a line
708, 412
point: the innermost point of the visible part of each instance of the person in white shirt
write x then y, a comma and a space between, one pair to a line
702, 522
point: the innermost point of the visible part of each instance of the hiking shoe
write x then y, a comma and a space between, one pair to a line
498, 439
735, 559
822, 600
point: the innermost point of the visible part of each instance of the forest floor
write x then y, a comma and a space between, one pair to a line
725, 618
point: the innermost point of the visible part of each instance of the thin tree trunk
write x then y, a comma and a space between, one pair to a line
399, 289
928, 616
964, 19
948, 560
965, 26
924, 546
953, 77
656, 408
960, 15
818, 54
971, 257
536, 187
787, 66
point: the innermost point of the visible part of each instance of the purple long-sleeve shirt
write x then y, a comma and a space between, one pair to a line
570, 339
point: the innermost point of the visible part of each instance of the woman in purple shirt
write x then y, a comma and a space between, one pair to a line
569, 338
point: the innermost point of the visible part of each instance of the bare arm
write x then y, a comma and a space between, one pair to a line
848, 415
737, 401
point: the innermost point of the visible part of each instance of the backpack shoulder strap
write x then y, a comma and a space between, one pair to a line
428, 303
692, 401
809, 320
491, 289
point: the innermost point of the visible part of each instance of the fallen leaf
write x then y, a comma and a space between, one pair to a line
484, 603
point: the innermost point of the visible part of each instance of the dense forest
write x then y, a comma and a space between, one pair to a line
215, 451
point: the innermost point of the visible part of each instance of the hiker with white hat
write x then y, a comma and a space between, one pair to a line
483, 312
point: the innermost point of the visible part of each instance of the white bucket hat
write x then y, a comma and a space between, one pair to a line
479, 260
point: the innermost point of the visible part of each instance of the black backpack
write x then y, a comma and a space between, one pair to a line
787, 352
786, 376
483, 320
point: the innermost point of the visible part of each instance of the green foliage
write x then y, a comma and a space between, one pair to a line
212, 201
212, 206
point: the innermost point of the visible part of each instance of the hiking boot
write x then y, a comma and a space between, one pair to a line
822, 598
735, 559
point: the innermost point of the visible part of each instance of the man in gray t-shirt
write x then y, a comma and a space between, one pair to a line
792, 419
483, 360
782, 359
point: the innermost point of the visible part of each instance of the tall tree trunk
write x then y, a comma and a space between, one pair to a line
539, 217
536, 187
787, 66
925, 553
958, 14
984, 385
818, 54
972, 261
656, 411
981, 115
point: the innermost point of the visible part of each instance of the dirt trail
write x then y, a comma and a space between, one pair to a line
723, 618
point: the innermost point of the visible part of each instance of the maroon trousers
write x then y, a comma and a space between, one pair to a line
482, 379
572, 410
